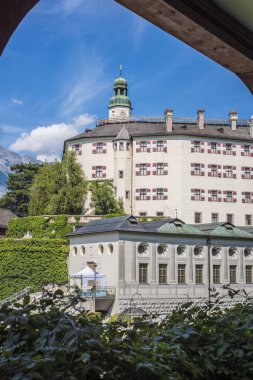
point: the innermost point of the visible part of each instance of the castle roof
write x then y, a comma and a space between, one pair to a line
217, 130
123, 134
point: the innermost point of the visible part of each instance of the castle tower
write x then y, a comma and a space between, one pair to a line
123, 168
120, 105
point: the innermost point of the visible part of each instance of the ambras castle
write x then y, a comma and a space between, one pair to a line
199, 170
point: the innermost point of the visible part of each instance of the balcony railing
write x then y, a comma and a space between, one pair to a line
99, 292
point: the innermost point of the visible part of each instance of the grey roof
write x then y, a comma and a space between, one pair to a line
135, 129
121, 223
167, 226
5, 216
155, 224
123, 134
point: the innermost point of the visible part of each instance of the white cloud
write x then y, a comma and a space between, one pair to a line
71, 5
139, 29
10, 129
85, 84
17, 101
83, 120
48, 157
47, 141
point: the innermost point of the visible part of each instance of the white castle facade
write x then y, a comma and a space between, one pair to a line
200, 170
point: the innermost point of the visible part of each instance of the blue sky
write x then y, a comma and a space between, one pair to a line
57, 74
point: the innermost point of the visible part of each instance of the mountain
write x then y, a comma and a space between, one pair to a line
7, 159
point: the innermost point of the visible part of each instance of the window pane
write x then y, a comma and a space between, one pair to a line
162, 273
249, 274
143, 273
199, 274
159, 193
181, 273
143, 193
216, 274
197, 217
232, 274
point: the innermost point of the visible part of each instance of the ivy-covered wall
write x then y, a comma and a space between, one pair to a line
31, 262
40, 227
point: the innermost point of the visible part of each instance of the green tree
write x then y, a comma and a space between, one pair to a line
103, 200
19, 183
59, 188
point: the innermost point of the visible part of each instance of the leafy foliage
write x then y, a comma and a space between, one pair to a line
31, 262
103, 200
40, 227
18, 196
52, 339
59, 188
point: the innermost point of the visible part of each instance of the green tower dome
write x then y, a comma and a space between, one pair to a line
120, 97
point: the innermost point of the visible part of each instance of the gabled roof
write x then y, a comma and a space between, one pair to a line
225, 229
121, 223
123, 134
172, 226
5, 216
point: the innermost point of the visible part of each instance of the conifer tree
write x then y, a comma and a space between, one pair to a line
18, 195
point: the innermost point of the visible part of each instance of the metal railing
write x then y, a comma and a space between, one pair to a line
14, 297
99, 292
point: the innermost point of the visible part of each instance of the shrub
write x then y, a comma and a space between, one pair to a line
31, 262
53, 340
40, 227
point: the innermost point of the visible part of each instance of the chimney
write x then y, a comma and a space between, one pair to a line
251, 126
201, 119
233, 117
168, 118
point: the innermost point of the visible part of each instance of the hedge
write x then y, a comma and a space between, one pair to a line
53, 340
40, 227
31, 262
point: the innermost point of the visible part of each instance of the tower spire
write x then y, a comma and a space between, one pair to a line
120, 105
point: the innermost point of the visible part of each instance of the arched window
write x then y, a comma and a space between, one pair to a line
110, 249
74, 251
100, 249
82, 250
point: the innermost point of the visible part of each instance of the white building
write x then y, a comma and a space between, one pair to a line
155, 265
200, 170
